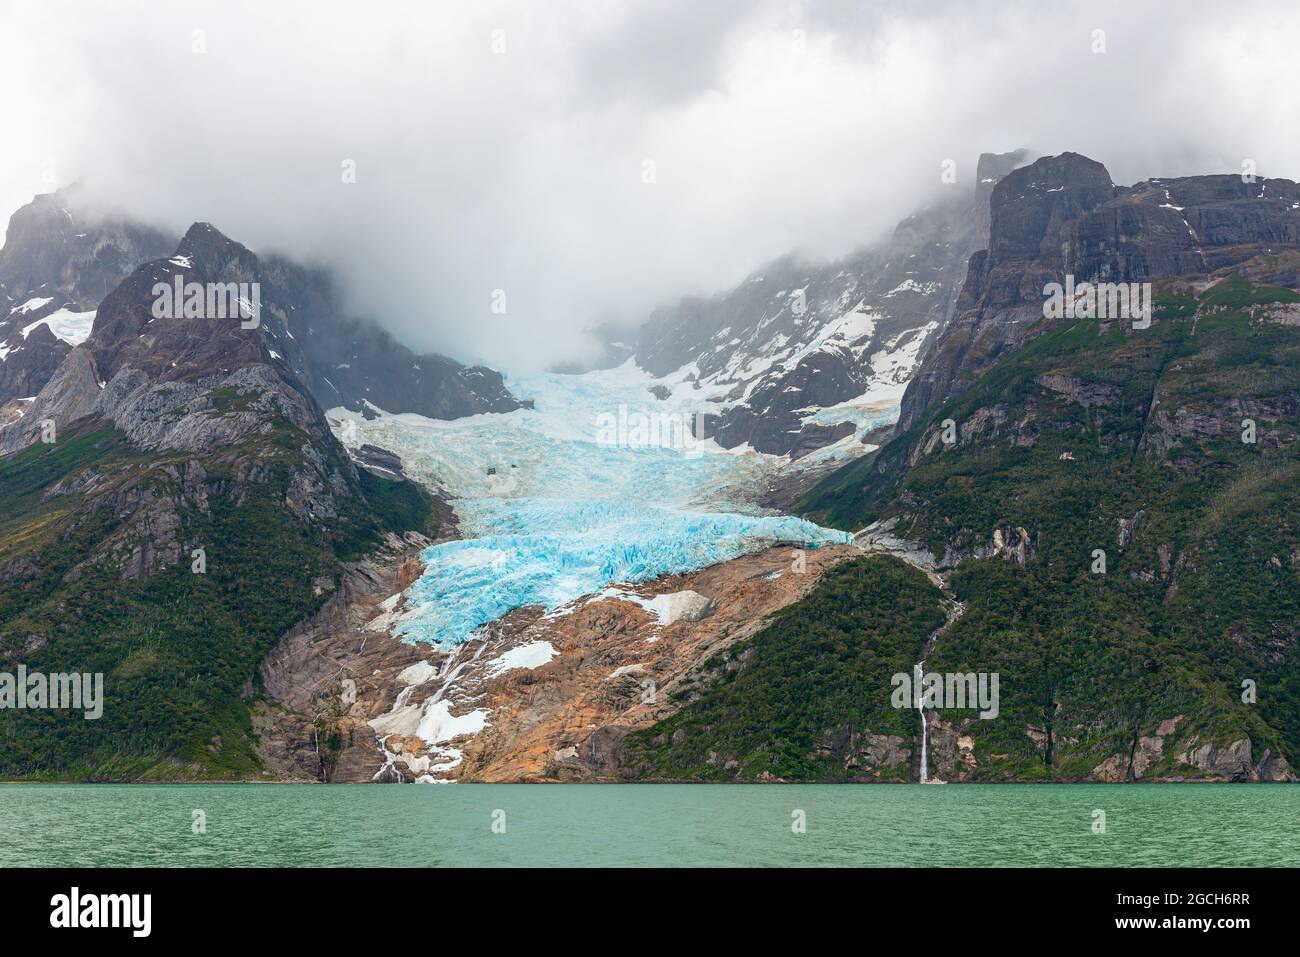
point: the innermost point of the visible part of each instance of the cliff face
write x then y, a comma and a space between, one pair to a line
1146, 477
1062, 215
1117, 508
56, 247
57, 263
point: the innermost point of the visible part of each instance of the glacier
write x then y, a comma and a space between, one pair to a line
550, 552
550, 511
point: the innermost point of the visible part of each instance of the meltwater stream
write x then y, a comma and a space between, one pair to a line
600, 483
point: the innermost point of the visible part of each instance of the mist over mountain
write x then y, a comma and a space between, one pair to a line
592, 162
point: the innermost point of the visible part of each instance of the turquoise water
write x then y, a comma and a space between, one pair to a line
637, 825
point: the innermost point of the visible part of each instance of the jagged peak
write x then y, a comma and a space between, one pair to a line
212, 250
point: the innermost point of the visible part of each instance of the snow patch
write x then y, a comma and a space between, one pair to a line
530, 656
439, 724
31, 305
418, 673
670, 607
72, 327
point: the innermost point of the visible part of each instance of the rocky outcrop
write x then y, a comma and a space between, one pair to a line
1232, 761
863, 754
60, 257
1197, 419
951, 747
1013, 544
381, 462
1165, 755
31, 359
329, 676
1062, 215
1074, 389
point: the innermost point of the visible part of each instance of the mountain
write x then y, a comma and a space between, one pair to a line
58, 247
1114, 507
1101, 515
795, 338
801, 699
58, 262
58, 265
174, 503
1063, 215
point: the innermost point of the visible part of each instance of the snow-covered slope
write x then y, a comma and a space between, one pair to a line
796, 338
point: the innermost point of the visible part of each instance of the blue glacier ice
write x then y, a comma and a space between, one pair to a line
549, 551
552, 512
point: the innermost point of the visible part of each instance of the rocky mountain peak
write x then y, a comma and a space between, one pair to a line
1063, 216
989, 171
215, 253
58, 262
56, 246
78, 276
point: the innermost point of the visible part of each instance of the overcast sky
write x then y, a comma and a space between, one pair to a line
518, 160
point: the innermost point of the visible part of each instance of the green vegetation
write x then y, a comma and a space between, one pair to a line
402, 506
231, 400
179, 650
1078, 431
1236, 292
793, 700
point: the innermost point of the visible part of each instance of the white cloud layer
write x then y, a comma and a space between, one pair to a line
771, 126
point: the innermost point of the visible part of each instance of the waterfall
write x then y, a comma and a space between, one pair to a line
925, 728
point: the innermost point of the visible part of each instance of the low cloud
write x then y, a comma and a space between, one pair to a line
594, 159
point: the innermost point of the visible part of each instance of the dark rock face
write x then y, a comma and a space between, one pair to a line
990, 170
795, 337
1062, 215
55, 248
30, 361
176, 347
59, 258
382, 462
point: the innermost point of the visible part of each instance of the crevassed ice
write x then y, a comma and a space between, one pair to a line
550, 552
565, 514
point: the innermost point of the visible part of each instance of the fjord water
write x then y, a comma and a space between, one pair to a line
252, 825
